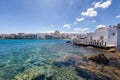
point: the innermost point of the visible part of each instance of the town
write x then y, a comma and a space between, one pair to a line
54, 35
104, 37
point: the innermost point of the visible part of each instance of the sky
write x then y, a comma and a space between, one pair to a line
72, 16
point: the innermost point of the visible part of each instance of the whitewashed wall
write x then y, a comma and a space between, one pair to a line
112, 37
118, 38
97, 34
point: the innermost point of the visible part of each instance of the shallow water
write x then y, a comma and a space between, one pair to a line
29, 59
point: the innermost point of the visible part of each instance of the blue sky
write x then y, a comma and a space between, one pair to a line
34, 16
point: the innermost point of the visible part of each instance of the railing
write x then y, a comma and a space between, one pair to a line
99, 43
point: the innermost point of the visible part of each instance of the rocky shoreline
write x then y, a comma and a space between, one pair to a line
107, 64
101, 66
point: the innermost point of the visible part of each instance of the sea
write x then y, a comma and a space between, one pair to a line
35, 60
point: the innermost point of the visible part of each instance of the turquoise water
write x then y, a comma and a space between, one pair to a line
26, 59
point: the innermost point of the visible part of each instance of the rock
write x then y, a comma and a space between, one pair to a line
20, 69
112, 50
87, 75
32, 61
37, 64
100, 59
69, 42
100, 67
72, 57
65, 63
42, 77
114, 63
2, 65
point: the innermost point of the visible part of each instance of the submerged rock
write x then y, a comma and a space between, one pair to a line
65, 63
88, 75
35, 73
2, 65
32, 61
42, 77
69, 42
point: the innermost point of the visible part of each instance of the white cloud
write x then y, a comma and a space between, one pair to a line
103, 5
93, 21
100, 26
90, 12
67, 26
118, 16
81, 29
79, 19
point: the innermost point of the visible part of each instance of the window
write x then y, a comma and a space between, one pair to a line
113, 34
101, 37
91, 38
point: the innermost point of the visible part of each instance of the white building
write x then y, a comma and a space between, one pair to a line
103, 37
